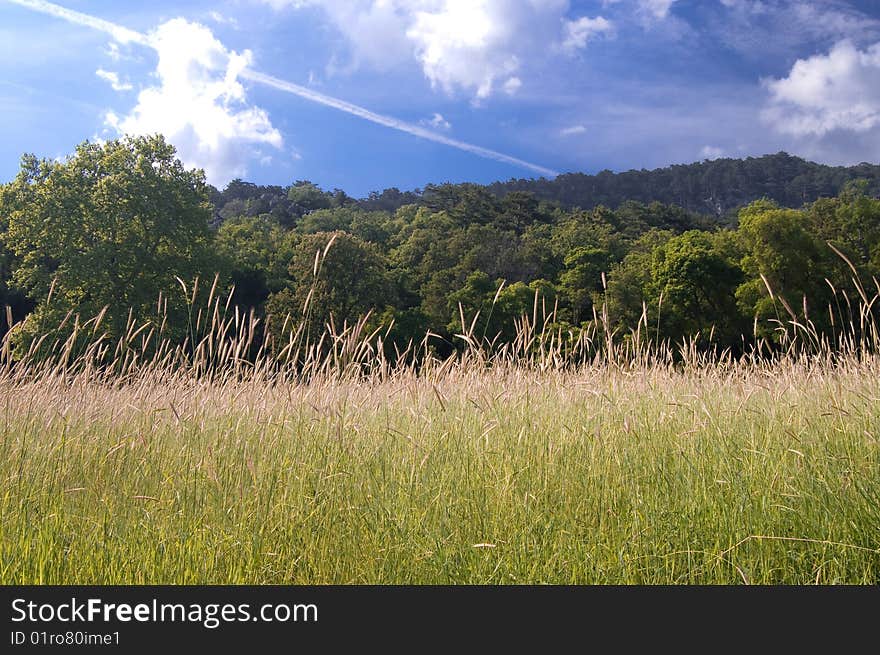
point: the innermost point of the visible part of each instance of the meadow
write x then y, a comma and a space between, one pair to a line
570, 427
636, 470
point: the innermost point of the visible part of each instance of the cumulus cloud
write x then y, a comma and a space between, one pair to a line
461, 44
199, 104
113, 79
478, 46
827, 92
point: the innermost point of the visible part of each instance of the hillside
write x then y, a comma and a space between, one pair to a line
712, 188
449, 251
709, 187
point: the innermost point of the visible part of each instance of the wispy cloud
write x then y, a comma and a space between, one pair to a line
437, 121
579, 32
113, 79
126, 35
761, 30
573, 130
118, 32
711, 152
658, 8
221, 19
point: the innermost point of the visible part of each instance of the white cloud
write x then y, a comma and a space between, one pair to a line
576, 33
375, 29
711, 152
437, 121
113, 52
479, 46
112, 120
199, 104
574, 130
473, 43
827, 92
512, 85
190, 61
221, 19
113, 79
657, 8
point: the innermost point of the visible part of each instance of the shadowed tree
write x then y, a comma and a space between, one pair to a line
335, 276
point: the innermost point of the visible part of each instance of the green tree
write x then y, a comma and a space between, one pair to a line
112, 226
10, 295
783, 254
697, 275
497, 306
335, 277
631, 292
582, 279
851, 222
258, 251
308, 196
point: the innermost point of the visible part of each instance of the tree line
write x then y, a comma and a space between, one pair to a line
117, 234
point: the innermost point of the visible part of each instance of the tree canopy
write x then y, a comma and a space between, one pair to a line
120, 225
113, 226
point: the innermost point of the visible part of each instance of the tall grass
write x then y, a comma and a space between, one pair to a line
553, 458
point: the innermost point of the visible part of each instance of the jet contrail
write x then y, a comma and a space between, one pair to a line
125, 35
389, 121
121, 34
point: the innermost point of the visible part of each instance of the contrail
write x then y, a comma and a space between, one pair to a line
390, 121
125, 35
121, 34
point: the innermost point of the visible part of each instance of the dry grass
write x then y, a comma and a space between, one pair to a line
466, 475
555, 458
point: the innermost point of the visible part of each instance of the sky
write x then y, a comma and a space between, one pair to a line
364, 95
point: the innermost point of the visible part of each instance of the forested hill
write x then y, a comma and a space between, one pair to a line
122, 223
709, 187
713, 188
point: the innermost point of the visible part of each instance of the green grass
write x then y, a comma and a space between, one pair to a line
756, 474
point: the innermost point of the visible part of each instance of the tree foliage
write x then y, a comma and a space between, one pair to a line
113, 227
335, 278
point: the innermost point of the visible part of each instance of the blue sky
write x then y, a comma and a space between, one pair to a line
459, 90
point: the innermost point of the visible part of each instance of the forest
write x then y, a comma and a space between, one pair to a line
721, 254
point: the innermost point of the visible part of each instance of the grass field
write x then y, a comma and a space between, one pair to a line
647, 474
